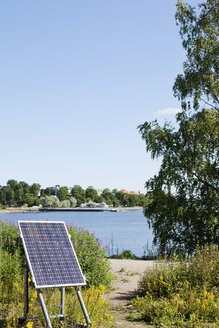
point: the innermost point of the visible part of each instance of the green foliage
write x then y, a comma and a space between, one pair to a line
46, 192
35, 189
108, 197
11, 271
184, 210
97, 307
12, 304
53, 201
73, 202
50, 201
62, 193
91, 193
131, 200
65, 203
7, 196
94, 265
19, 193
184, 194
90, 253
200, 38
181, 293
92, 257
127, 254
31, 200
79, 194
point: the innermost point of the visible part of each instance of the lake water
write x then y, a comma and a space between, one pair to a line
119, 230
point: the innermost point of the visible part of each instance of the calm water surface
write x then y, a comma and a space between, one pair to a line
118, 230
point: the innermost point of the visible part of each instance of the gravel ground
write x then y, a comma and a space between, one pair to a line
127, 274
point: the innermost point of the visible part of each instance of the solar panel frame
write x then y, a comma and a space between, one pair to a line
33, 267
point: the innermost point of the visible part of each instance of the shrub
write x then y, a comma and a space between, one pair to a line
94, 265
199, 272
127, 254
10, 240
96, 305
92, 257
181, 293
65, 203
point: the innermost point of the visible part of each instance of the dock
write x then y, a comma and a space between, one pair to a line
80, 209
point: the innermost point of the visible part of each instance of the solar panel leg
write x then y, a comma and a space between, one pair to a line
82, 305
63, 301
26, 299
45, 313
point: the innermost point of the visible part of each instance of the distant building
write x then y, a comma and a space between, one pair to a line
130, 192
91, 204
103, 205
54, 191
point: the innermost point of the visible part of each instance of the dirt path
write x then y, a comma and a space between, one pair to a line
127, 274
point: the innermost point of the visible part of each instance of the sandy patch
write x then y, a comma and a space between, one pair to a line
127, 274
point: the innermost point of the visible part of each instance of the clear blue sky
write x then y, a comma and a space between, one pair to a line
76, 79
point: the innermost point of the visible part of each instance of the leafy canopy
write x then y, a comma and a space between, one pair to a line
199, 31
184, 208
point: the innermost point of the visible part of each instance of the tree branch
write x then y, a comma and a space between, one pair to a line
209, 104
198, 177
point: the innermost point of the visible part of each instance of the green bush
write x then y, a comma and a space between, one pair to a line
181, 293
94, 264
127, 254
92, 257
10, 240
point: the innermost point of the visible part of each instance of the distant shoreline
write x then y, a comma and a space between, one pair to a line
26, 210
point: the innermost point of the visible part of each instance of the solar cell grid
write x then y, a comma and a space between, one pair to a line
50, 254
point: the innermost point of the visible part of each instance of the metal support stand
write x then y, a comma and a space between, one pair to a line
26, 298
62, 302
82, 305
42, 303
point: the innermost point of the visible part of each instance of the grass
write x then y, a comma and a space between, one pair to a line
182, 293
95, 266
127, 254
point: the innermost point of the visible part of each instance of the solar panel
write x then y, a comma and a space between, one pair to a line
50, 254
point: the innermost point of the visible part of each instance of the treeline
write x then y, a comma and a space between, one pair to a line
20, 193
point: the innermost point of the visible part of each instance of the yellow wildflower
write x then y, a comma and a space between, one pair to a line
16, 285
29, 324
211, 296
34, 295
204, 302
205, 292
